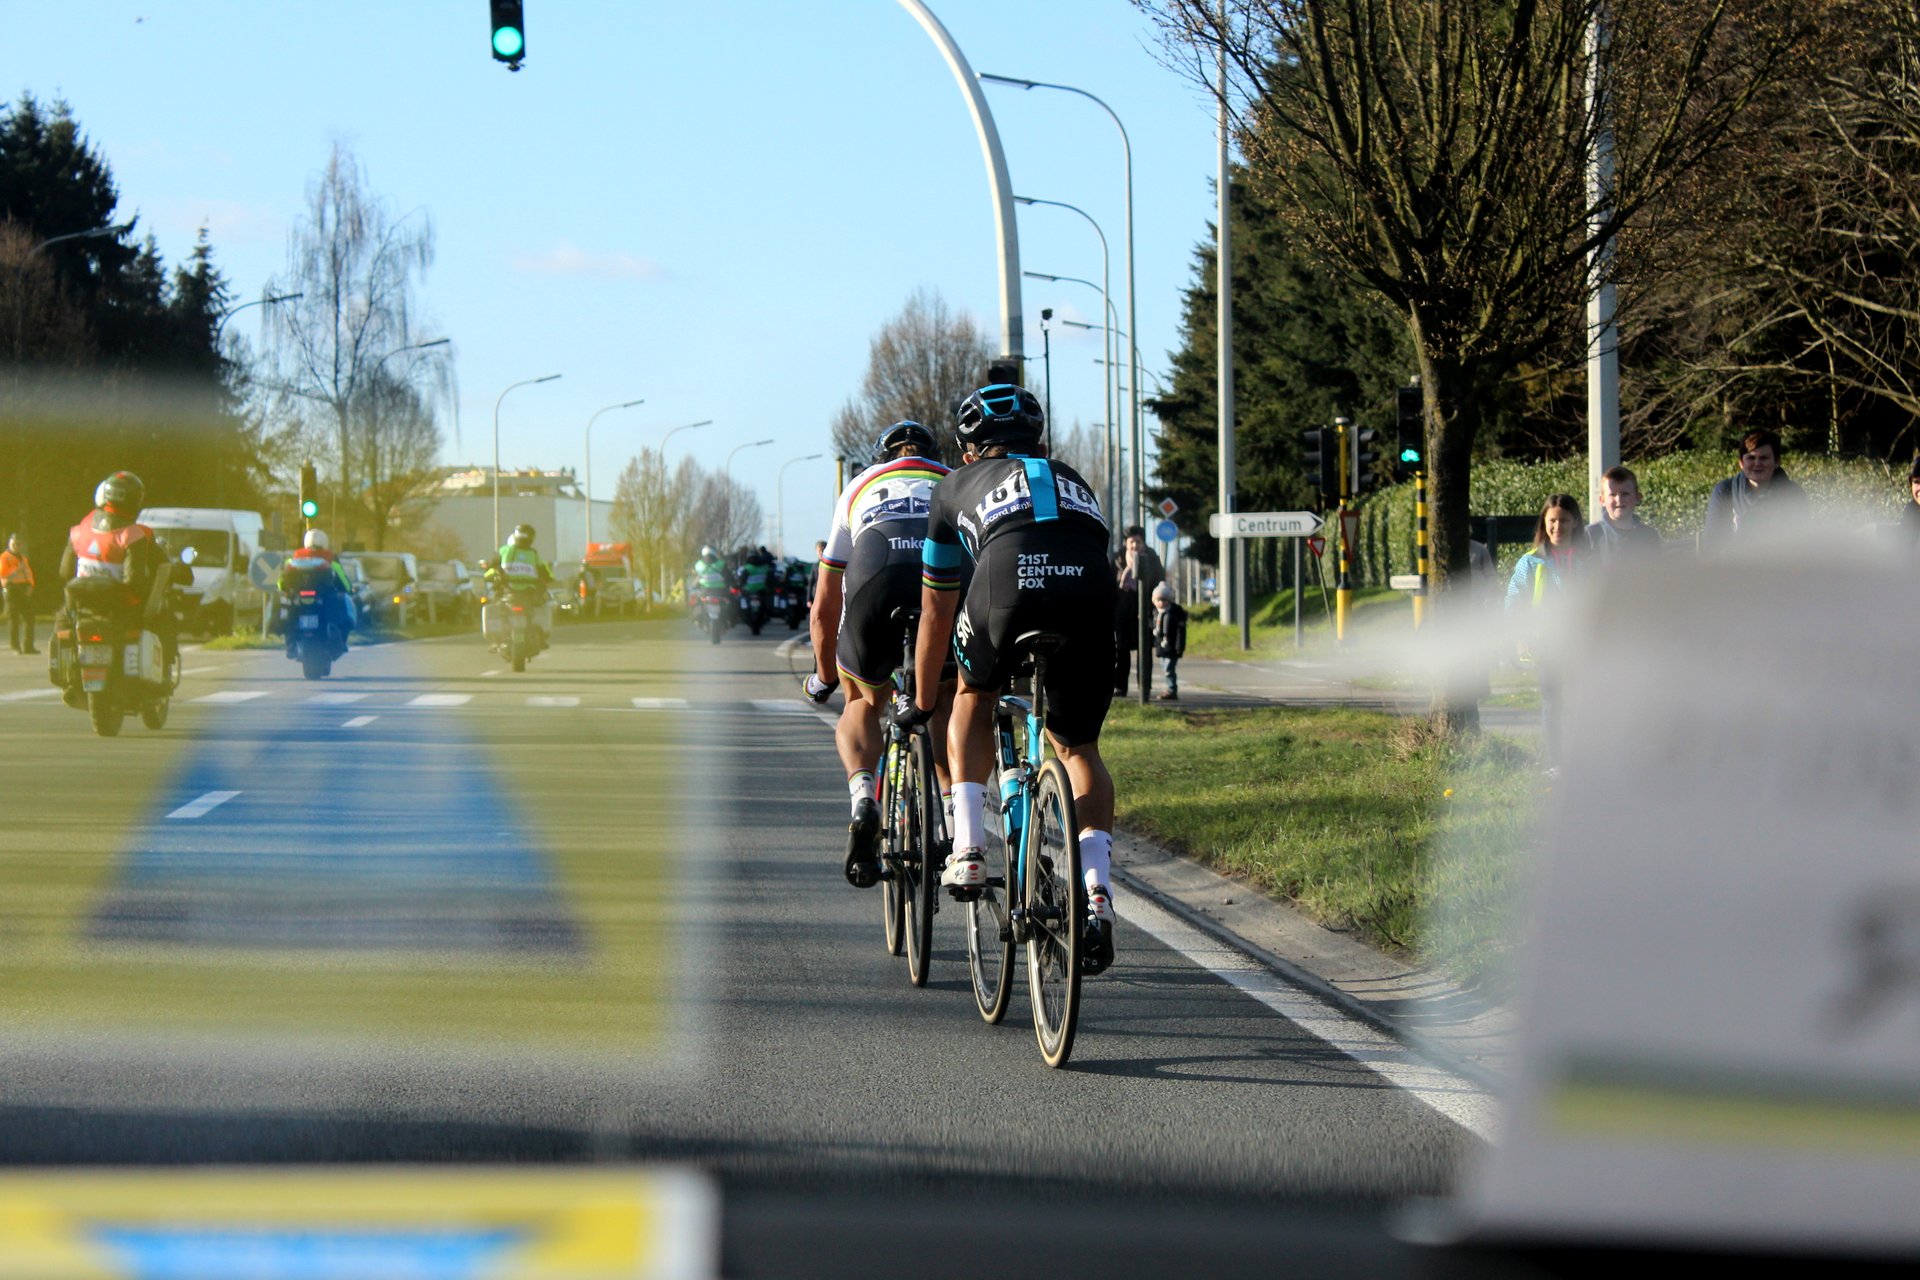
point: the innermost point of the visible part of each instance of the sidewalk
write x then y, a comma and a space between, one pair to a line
1310, 682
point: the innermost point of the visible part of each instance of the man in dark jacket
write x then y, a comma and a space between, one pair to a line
1760, 497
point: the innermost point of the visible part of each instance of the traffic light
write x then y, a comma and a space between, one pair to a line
509, 33
1410, 420
1320, 460
1366, 460
309, 492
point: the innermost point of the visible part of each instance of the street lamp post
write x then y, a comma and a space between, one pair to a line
1109, 379
659, 555
496, 449
726, 486
1126, 146
1106, 304
373, 465
587, 542
89, 234
231, 312
704, 422
780, 497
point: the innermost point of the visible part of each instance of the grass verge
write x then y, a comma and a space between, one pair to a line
1363, 819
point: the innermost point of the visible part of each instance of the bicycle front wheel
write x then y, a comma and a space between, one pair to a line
1056, 903
893, 902
989, 922
921, 795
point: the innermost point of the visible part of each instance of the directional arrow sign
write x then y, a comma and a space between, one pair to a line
1263, 524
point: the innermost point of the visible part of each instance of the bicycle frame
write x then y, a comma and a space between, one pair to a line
1019, 764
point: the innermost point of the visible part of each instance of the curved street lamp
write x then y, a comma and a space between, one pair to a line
587, 500
704, 422
496, 449
231, 312
780, 497
726, 485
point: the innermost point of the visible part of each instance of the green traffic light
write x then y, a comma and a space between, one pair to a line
1409, 455
508, 42
309, 508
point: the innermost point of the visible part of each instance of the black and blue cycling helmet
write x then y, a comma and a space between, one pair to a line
1000, 414
908, 433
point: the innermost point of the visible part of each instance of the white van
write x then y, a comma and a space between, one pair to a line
224, 544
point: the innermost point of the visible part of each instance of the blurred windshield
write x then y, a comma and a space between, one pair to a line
436, 571
381, 568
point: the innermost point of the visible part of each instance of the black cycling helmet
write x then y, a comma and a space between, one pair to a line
522, 535
1000, 414
121, 494
904, 432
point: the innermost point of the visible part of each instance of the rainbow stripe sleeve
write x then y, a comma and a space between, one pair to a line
940, 565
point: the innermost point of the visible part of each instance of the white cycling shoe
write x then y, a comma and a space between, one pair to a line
966, 869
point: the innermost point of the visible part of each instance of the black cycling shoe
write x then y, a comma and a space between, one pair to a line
1096, 947
863, 868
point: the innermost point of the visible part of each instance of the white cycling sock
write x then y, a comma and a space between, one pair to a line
969, 808
1096, 858
859, 787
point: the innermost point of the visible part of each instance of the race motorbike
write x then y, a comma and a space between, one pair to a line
796, 608
105, 660
314, 638
753, 610
515, 624
713, 615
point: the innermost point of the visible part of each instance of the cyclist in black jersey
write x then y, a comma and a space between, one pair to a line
1032, 534
869, 567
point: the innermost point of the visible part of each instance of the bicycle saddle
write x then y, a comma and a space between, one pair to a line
1039, 642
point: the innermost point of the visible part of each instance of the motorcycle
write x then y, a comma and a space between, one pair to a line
753, 610
713, 616
515, 626
796, 611
105, 661
313, 636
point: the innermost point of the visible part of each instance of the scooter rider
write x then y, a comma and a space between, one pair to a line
527, 576
314, 568
871, 566
111, 546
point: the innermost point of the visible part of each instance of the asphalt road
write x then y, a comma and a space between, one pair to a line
428, 911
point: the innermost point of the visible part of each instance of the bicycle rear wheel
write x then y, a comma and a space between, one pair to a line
893, 903
989, 923
1056, 903
921, 795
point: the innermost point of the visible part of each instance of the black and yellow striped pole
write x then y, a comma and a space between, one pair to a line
1421, 564
1343, 582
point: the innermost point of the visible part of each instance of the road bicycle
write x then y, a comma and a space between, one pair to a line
912, 825
1033, 896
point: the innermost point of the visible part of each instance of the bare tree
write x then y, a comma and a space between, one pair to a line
726, 513
1436, 153
355, 266
1081, 447
920, 365
396, 442
652, 511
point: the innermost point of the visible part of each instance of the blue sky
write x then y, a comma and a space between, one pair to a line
711, 205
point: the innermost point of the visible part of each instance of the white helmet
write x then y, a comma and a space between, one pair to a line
706, 553
316, 539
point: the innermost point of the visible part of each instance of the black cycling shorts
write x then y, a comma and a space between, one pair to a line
1039, 580
882, 574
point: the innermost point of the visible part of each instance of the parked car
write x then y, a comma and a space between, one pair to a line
362, 589
446, 591
392, 575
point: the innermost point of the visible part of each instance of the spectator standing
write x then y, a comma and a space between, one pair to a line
1137, 573
1542, 575
1620, 531
16, 578
1759, 497
1169, 637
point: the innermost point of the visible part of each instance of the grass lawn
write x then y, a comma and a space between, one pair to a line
1361, 818
1377, 611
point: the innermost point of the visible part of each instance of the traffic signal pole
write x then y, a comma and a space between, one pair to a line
1420, 545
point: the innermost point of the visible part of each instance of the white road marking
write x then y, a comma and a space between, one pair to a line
441, 700
30, 693
660, 704
336, 699
359, 722
780, 706
211, 800
1459, 1100
232, 695
494, 673
786, 647
539, 700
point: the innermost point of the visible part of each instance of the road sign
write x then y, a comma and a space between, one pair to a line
1317, 545
1166, 531
1167, 508
265, 569
1263, 524
1350, 526
1404, 582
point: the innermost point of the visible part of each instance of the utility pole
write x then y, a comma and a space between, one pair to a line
1343, 585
